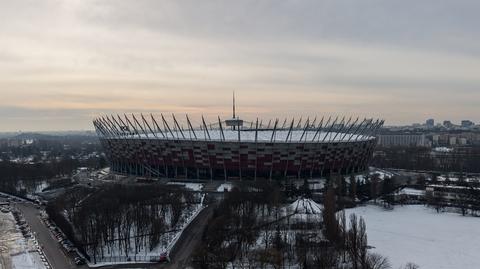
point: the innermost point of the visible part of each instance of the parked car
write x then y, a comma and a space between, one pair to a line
79, 261
164, 257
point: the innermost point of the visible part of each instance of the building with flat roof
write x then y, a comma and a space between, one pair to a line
402, 140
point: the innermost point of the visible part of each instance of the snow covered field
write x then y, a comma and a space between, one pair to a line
418, 234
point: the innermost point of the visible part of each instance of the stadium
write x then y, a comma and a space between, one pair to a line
157, 147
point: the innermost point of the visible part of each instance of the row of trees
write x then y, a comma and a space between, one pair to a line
240, 219
50, 146
464, 196
372, 187
348, 241
23, 178
19, 179
416, 158
251, 228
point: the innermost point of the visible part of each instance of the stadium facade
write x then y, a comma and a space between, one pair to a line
235, 149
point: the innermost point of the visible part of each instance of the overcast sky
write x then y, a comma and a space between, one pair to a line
64, 62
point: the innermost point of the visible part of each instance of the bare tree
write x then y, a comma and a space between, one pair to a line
376, 261
329, 215
374, 187
411, 265
353, 244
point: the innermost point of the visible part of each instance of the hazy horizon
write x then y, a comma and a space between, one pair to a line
64, 62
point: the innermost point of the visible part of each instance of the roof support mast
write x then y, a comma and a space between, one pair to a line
205, 129
191, 127
274, 130
158, 127
166, 126
320, 125
352, 134
234, 104
178, 125
148, 125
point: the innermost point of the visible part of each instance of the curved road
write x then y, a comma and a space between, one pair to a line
188, 241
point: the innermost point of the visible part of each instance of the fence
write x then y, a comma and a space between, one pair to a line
123, 259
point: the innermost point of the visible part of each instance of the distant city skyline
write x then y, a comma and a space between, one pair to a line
64, 62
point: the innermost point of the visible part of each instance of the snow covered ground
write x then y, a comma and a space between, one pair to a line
411, 191
15, 251
418, 234
225, 187
382, 175
188, 185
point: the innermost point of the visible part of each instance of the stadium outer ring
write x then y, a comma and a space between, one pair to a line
139, 154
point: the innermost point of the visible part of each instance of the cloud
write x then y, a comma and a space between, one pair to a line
283, 58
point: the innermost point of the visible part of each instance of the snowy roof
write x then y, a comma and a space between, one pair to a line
249, 135
305, 206
225, 187
411, 191
451, 187
182, 129
442, 149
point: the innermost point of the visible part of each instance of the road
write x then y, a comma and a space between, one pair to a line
188, 241
51, 248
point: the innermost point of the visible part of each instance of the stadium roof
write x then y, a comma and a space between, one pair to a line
325, 131
262, 136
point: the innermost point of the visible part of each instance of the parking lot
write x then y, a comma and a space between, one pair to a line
19, 242
55, 251
52, 245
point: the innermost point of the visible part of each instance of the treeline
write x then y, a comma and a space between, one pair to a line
462, 194
30, 175
66, 203
54, 146
127, 220
349, 191
62, 156
415, 158
348, 246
